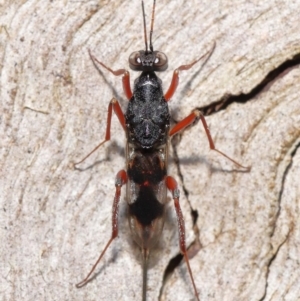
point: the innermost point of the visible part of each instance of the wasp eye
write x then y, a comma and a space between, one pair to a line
160, 62
135, 61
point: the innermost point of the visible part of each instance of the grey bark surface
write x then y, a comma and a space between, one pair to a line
55, 220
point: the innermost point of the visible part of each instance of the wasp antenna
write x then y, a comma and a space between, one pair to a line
145, 30
151, 29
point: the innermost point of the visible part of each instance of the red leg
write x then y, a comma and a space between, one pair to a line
121, 179
175, 78
193, 118
124, 72
113, 105
173, 187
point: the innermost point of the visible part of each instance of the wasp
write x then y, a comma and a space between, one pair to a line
146, 124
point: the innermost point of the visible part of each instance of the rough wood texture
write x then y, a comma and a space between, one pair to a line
55, 220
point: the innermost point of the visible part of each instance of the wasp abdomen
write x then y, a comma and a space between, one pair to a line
146, 208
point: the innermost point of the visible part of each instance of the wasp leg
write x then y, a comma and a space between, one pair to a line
121, 179
192, 119
173, 187
175, 78
124, 72
113, 105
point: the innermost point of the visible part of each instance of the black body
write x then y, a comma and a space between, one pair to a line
148, 121
147, 115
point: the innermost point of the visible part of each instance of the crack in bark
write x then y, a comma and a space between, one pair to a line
273, 257
172, 265
228, 99
284, 176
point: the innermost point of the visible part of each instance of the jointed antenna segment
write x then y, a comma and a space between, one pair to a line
145, 30
152, 23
